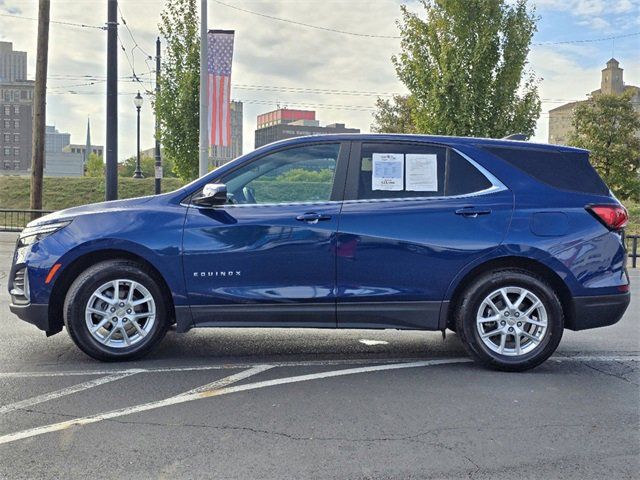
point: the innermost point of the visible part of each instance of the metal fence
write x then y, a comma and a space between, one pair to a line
15, 220
632, 248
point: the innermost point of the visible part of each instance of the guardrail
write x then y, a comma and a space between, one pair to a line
15, 220
632, 248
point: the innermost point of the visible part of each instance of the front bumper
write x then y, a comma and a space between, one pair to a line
35, 314
598, 311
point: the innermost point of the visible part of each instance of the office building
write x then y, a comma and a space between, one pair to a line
284, 123
16, 126
13, 64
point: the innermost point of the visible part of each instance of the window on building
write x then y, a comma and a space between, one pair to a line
16, 165
16, 137
7, 110
16, 123
16, 109
7, 123
7, 137
16, 151
7, 151
7, 165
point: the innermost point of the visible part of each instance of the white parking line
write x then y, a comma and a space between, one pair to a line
29, 402
223, 382
189, 397
312, 363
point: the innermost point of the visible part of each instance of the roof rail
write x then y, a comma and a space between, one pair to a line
516, 136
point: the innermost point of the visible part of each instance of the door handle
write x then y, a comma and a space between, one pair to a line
472, 212
312, 217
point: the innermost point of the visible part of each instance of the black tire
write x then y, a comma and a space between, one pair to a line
471, 301
79, 294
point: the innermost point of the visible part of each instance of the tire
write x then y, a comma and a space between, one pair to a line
125, 329
476, 317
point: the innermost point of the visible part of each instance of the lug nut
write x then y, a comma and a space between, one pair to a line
125, 320
122, 304
114, 319
128, 310
519, 324
506, 314
503, 323
511, 329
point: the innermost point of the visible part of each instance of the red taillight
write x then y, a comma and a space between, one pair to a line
614, 217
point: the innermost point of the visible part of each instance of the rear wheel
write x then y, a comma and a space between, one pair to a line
510, 320
115, 310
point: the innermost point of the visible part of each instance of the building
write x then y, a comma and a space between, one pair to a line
57, 162
221, 155
16, 126
13, 64
611, 82
284, 123
82, 149
284, 115
54, 140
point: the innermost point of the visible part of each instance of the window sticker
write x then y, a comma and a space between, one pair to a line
388, 171
422, 172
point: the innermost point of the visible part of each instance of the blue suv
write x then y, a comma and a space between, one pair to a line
507, 243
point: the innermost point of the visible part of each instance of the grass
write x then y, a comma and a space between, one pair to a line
65, 192
633, 228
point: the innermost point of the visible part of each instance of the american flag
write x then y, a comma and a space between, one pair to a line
220, 55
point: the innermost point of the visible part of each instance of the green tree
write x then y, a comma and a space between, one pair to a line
148, 167
609, 127
394, 115
303, 175
177, 106
465, 67
94, 166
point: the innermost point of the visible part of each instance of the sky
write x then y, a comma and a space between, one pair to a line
284, 64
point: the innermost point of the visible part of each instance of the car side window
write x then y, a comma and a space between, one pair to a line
300, 174
399, 170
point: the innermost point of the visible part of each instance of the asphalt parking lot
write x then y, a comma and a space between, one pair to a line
280, 404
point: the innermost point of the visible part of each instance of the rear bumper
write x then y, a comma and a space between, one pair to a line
34, 314
599, 311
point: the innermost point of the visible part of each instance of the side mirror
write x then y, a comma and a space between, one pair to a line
212, 194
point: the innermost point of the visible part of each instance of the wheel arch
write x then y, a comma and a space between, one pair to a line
78, 265
515, 262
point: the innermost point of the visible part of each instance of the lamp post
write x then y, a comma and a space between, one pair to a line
137, 101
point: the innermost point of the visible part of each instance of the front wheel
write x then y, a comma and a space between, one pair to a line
510, 320
115, 310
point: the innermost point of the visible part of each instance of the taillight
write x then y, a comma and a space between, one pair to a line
614, 217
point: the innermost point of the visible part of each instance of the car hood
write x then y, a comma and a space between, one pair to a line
91, 209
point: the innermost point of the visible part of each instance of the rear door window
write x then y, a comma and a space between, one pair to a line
403, 170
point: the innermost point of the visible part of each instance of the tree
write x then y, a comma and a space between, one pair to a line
609, 127
177, 105
465, 67
394, 116
148, 167
94, 166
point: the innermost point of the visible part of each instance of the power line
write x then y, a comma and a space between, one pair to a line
589, 40
59, 22
317, 27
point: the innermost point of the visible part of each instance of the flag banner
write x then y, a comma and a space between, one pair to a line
220, 56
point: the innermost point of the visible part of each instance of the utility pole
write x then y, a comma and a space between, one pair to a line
111, 188
204, 97
40, 106
158, 172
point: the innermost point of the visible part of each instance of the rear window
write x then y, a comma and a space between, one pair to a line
564, 170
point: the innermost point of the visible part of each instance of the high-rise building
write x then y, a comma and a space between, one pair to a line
54, 140
611, 82
284, 123
16, 125
221, 155
13, 64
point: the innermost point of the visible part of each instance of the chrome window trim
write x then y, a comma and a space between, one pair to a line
496, 186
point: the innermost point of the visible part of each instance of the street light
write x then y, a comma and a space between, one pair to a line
137, 101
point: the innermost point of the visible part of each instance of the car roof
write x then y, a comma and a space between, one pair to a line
440, 139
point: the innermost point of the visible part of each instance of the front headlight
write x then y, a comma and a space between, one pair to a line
31, 235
